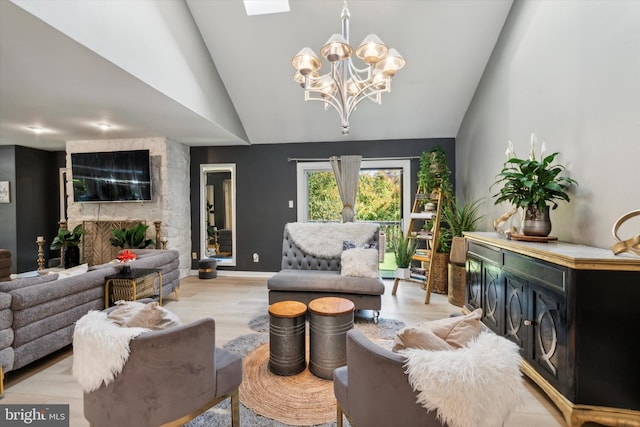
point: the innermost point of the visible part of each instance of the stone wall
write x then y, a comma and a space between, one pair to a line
170, 202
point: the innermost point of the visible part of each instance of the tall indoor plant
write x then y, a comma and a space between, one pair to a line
461, 217
534, 185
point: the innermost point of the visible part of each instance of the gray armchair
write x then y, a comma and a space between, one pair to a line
171, 376
373, 389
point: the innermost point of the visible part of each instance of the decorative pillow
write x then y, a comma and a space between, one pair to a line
112, 263
124, 311
346, 244
132, 314
413, 337
444, 334
359, 262
73, 271
27, 281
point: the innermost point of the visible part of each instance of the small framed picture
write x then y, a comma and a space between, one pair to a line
4, 192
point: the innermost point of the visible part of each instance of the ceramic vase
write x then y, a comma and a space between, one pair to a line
71, 256
536, 222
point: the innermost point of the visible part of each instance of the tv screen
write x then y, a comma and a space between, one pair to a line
118, 176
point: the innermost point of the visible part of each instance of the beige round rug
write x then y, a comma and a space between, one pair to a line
299, 400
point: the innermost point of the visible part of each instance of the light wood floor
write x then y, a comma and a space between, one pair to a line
232, 301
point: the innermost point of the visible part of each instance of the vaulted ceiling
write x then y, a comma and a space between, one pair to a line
203, 72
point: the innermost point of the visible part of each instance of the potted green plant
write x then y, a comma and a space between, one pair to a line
434, 173
461, 217
134, 237
404, 247
68, 243
534, 185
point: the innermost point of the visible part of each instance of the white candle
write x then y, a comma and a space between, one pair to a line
40, 238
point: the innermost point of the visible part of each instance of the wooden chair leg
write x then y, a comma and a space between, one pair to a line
235, 409
395, 286
339, 415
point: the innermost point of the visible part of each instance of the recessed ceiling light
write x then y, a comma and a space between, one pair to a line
104, 126
36, 129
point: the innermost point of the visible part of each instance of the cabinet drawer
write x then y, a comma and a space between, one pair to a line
552, 275
486, 252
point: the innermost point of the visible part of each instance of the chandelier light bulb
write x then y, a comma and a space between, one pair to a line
391, 64
306, 61
371, 50
336, 48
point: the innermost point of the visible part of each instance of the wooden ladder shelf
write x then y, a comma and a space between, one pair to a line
420, 217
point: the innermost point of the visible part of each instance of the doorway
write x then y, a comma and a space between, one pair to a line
383, 197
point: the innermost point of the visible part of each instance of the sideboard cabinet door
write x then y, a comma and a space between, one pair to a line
484, 284
516, 317
474, 283
549, 338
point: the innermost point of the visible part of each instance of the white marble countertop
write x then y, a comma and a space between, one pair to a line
564, 253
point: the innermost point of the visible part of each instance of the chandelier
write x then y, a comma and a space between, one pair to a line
345, 86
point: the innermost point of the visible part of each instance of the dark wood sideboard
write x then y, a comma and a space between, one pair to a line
574, 311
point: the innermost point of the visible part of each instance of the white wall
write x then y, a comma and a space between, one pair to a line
170, 193
569, 71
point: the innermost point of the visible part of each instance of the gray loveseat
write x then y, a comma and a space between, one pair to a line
37, 315
305, 276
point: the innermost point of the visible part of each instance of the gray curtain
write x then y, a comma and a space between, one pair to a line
346, 169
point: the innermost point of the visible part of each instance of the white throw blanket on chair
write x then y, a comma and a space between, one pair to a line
324, 240
100, 349
477, 385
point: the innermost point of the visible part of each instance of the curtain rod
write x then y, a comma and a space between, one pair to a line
295, 159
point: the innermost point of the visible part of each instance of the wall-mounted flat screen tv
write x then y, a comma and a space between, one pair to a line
118, 176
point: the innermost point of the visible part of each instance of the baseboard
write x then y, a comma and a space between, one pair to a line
234, 273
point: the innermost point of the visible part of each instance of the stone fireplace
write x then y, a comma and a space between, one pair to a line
170, 202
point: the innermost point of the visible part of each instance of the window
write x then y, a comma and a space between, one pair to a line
383, 195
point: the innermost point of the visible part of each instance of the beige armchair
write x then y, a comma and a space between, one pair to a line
170, 377
373, 389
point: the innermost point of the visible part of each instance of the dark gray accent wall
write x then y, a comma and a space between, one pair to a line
35, 206
8, 210
266, 181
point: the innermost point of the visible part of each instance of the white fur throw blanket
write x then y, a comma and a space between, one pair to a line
477, 385
100, 349
324, 240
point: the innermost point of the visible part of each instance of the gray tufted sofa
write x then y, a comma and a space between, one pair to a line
38, 314
304, 277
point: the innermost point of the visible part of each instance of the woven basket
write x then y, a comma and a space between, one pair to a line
122, 289
440, 282
457, 284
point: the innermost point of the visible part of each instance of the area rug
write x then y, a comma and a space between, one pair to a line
277, 401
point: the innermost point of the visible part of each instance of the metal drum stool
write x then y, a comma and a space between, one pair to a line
287, 325
329, 320
207, 268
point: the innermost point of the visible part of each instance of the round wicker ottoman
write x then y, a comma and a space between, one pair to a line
287, 325
207, 268
330, 319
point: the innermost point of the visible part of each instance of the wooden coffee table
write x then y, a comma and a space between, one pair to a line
330, 318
